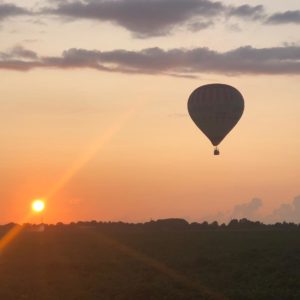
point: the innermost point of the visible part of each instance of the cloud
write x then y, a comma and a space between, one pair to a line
173, 62
286, 212
21, 52
247, 210
147, 18
289, 212
143, 18
11, 10
290, 16
247, 11
199, 25
16, 53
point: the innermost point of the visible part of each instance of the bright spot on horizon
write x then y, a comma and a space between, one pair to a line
38, 205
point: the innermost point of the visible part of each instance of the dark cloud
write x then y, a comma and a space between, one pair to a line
17, 53
146, 18
174, 62
142, 17
199, 25
247, 11
291, 16
247, 210
21, 52
11, 10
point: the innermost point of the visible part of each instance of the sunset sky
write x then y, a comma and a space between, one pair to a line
94, 109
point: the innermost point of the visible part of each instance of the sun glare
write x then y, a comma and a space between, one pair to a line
38, 205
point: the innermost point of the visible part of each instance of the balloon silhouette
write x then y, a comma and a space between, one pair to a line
216, 109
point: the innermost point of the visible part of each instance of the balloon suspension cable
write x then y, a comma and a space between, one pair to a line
216, 151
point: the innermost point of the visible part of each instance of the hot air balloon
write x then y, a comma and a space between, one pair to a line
216, 109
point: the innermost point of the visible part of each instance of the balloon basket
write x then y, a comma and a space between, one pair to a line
216, 151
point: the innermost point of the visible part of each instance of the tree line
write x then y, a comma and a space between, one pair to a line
164, 224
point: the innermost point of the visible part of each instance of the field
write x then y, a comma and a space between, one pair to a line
85, 262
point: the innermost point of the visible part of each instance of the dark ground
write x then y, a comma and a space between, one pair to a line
91, 263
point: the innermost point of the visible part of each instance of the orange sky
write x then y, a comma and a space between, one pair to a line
123, 145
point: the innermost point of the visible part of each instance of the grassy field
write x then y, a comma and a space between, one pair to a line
91, 263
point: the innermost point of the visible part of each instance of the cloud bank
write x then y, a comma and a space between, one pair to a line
177, 62
142, 17
251, 210
247, 210
288, 212
148, 18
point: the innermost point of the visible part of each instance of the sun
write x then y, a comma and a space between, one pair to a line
38, 205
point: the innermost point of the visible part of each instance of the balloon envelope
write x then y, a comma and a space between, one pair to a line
216, 109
